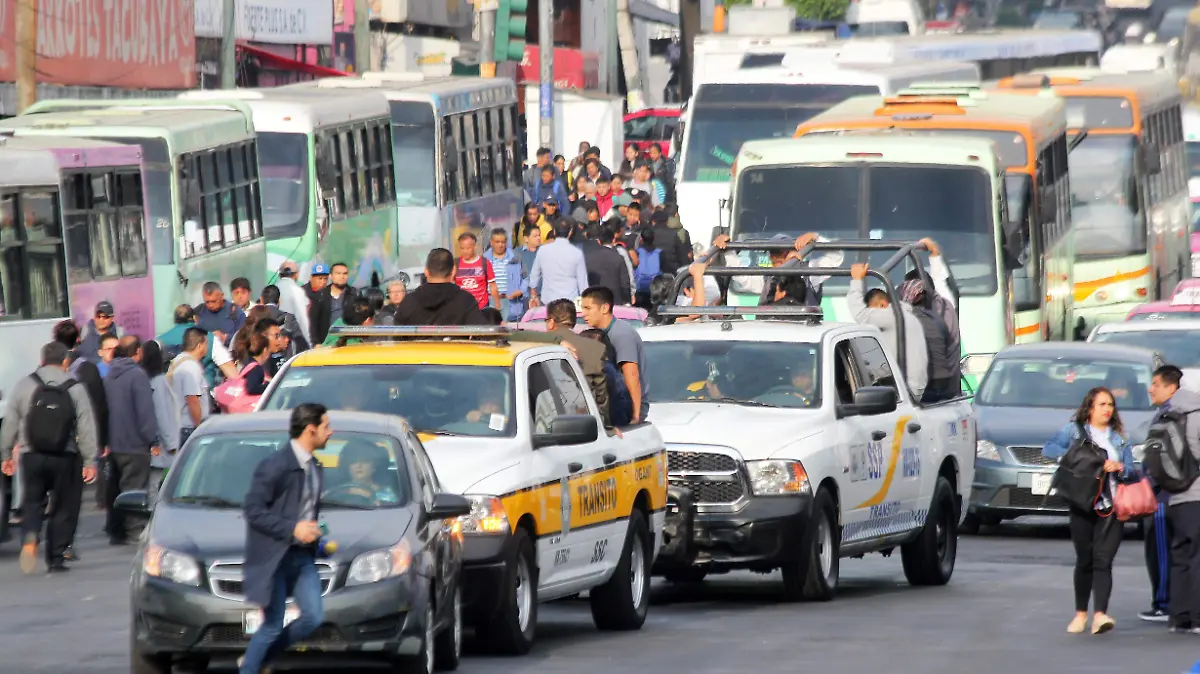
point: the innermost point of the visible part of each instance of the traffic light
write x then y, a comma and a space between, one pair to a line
510, 30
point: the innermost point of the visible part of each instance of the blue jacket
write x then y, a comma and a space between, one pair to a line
272, 509
228, 319
517, 278
1061, 442
132, 423
553, 187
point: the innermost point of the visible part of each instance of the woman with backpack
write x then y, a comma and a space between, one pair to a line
1095, 436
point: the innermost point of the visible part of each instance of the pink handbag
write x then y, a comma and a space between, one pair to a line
1134, 500
231, 394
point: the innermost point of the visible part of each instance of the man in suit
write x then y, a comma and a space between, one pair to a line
281, 510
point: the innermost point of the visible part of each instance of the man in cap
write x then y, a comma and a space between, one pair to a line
318, 280
101, 325
292, 298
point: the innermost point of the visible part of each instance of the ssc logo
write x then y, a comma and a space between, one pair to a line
565, 508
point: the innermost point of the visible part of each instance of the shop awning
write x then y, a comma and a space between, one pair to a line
271, 60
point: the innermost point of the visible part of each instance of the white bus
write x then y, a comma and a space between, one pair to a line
716, 55
998, 55
763, 103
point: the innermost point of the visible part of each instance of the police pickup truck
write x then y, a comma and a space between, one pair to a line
560, 505
801, 443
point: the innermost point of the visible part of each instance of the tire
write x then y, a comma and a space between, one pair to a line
511, 629
423, 662
621, 603
447, 646
691, 574
970, 525
141, 662
813, 576
929, 559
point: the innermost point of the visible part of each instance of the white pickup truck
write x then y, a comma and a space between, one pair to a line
799, 448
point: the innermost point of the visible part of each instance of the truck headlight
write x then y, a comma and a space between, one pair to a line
169, 565
377, 565
777, 478
986, 449
487, 516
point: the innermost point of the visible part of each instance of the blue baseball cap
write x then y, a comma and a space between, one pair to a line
319, 270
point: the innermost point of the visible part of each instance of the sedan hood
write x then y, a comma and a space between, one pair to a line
1034, 426
209, 533
753, 431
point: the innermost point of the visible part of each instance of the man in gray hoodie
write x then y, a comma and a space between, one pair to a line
132, 431
60, 473
875, 308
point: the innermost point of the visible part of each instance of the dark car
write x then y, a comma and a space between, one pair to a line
391, 589
1028, 394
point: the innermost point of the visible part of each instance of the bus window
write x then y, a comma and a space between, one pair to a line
1026, 277
33, 280
212, 193
286, 193
132, 230
1104, 199
413, 133
104, 226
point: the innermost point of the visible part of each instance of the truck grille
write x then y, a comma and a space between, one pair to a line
713, 478
1031, 456
225, 579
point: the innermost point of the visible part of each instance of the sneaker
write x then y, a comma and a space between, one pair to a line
1179, 629
29, 555
1077, 625
1155, 615
57, 567
69, 555
1102, 623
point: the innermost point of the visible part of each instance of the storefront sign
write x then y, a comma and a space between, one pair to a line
573, 69
271, 21
132, 44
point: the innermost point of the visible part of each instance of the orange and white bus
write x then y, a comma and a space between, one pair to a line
1129, 192
1034, 261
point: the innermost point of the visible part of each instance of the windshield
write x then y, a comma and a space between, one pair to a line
1193, 157
1104, 203
451, 399
762, 374
1059, 20
724, 116
879, 28
1063, 383
1180, 348
1172, 25
951, 204
413, 146
1098, 112
362, 471
283, 173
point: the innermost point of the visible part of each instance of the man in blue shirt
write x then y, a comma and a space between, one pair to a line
559, 271
511, 278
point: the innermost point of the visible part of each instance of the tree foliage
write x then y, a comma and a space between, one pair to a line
819, 10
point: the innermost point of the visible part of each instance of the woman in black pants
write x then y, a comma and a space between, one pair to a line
1096, 533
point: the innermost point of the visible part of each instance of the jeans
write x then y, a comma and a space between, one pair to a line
1158, 557
296, 575
1096, 540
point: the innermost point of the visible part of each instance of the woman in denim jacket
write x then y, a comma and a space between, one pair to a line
1096, 534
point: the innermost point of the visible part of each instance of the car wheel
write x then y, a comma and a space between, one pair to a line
691, 574
447, 650
511, 629
814, 574
141, 662
929, 559
622, 602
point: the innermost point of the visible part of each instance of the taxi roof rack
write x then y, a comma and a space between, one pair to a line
813, 315
479, 334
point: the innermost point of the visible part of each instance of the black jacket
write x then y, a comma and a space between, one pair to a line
320, 310
439, 304
674, 252
291, 328
606, 267
272, 510
85, 372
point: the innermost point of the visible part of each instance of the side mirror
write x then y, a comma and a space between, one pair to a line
1151, 160
871, 400
1015, 244
450, 155
326, 171
568, 429
135, 502
448, 506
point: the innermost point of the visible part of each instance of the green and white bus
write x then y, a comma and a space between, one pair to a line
200, 183
327, 179
458, 167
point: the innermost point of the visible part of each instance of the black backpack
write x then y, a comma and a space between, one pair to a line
1079, 477
50, 424
1168, 459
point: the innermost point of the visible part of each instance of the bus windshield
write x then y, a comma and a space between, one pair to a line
906, 202
1193, 158
413, 132
283, 173
1104, 202
726, 115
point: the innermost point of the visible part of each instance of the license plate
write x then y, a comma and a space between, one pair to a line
1041, 483
252, 620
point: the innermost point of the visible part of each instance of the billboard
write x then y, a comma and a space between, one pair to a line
271, 21
130, 44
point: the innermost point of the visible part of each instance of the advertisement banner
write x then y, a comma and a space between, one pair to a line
573, 69
271, 21
131, 44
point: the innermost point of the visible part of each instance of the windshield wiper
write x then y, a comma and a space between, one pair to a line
437, 432
345, 504
210, 501
738, 401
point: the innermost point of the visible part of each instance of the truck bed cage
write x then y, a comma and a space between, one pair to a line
814, 315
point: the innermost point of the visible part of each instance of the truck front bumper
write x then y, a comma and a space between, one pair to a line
762, 535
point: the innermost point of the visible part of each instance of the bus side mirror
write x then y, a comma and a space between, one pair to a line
1014, 244
326, 171
450, 155
1151, 159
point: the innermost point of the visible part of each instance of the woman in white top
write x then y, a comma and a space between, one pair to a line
1096, 534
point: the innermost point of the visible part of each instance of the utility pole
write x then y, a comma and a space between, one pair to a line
27, 13
635, 98
362, 37
229, 44
546, 72
487, 36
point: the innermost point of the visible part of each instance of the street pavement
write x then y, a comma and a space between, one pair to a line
1004, 612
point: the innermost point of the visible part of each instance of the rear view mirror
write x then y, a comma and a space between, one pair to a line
135, 502
569, 429
871, 400
448, 506
449, 154
326, 171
